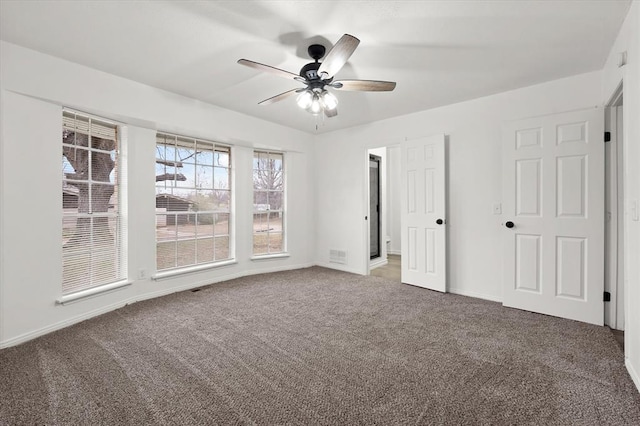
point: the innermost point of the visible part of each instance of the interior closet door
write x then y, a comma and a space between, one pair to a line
553, 194
423, 212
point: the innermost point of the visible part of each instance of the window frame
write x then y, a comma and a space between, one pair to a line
170, 190
119, 214
282, 211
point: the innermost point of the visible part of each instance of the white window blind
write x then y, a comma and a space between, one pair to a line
193, 202
92, 182
268, 203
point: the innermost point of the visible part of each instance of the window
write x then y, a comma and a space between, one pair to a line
268, 203
193, 198
92, 224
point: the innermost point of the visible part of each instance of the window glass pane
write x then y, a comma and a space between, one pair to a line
221, 159
221, 200
260, 222
275, 200
204, 225
260, 243
173, 203
204, 153
222, 248
75, 163
186, 252
221, 179
275, 222
204, 177
166, 153
221, 224
185, 152
186, 176
203, 200
275, 161
260, 201
160, 169
275, 242
166, 254
205, 247
101, 144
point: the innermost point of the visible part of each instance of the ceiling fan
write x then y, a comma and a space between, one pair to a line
318, 76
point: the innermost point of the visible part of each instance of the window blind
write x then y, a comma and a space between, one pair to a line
92, 186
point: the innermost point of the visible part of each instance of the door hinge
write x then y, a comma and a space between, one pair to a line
607, 296
607, 136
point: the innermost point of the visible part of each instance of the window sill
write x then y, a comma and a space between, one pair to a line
83, 294
182, 271
270, 256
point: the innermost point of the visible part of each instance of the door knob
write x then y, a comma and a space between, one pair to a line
439, 221
509, 224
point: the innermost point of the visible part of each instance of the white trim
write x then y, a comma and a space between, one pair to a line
190, 269
373, 264
59, 325
339, 267
396, 252
103, 310
94, 291
270, 256
475, 295
633, 373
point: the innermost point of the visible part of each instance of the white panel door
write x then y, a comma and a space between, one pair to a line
553, 195
423, 215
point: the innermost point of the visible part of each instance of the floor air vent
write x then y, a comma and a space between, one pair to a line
338, 256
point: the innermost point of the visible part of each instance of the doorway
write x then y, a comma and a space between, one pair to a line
375, 248
383, 228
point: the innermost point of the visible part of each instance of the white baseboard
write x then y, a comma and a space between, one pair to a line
339, 267
218, 279
474, 294
396, 252
633, 373
25, 337
378, 263
138, 298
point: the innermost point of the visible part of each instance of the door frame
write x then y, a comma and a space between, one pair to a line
614, 203
380, 151
377, 159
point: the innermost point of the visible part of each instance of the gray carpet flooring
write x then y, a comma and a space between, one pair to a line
316, 346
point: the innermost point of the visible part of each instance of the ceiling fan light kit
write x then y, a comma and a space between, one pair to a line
318, 76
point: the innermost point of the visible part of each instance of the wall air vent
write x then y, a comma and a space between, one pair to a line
338, 256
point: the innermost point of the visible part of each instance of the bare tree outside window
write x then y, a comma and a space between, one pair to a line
268, 203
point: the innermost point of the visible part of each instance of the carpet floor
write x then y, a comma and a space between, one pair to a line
316, 346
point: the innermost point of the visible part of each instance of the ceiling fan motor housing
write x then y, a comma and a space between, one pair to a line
310, 71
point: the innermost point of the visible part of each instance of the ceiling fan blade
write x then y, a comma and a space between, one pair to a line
364, 85
331, 112
338, 56
279, 97
269, 69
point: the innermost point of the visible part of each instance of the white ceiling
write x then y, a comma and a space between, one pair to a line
438, 52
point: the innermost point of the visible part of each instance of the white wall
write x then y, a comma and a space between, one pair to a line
33, 89
629, 40
393, 198
475, 181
